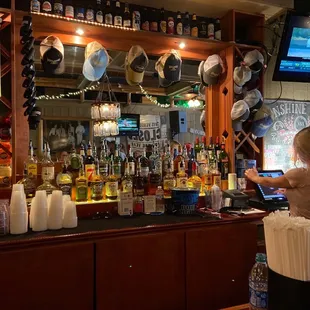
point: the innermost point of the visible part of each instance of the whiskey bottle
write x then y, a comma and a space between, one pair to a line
108, 17
131, 163
195, 181
127, 16
118, 164
111, 186
96, 186
81, 184
89, 163
64, 181
118, 20
186, 158
169, 182
177, 161
31, 165
144, 165
182, 176
127, 184
194, 26
138, 181
167, 160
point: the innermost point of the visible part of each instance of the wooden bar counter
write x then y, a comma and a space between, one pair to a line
141, 263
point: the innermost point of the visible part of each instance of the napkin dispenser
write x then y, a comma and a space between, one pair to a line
237, 198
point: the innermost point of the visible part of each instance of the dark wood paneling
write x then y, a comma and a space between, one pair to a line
141, 273
218, 262
54, 278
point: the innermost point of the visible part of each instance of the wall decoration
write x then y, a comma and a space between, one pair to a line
290, 117
64, 134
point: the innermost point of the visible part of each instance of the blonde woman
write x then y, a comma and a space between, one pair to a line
296, 181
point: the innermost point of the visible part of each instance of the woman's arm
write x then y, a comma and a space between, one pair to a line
280, 182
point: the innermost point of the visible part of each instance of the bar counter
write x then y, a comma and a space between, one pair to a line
146, 262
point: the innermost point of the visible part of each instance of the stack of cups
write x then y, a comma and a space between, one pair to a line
69, 217
38, 212
55, 211
18, 211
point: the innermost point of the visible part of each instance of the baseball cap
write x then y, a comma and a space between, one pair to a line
210, 70
254, 99
135, 64
168, 67
242, 75
262, 121
52, 55
240, 112
255, 60
96, 61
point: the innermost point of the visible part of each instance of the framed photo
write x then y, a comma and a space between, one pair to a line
64, 134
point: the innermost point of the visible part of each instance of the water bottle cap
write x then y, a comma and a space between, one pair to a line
261, 258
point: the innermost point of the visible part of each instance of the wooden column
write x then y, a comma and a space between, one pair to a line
20, 129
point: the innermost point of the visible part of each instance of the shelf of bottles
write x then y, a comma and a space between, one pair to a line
148, 19
97, 178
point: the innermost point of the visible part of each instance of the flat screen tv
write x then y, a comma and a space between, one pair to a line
293, 62
129, 124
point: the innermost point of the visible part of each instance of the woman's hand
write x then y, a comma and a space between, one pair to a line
252, 174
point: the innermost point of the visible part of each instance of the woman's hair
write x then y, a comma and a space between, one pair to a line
301, 145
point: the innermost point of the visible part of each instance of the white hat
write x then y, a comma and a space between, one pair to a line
255, 60
240, 112
96, 61
242, 75
254, 99
210, 70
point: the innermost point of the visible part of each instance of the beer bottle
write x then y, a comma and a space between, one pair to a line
194, 26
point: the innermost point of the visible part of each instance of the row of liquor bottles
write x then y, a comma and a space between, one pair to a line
97, 178
149, 19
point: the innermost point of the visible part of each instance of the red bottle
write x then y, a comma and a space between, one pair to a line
170, 25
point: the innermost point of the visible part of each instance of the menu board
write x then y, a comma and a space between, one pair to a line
289, 118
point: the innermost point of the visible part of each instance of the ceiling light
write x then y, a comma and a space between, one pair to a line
182, 45
79, 31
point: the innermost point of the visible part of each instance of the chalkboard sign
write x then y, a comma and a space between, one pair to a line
290, 117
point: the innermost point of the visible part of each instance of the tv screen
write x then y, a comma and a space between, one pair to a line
129, 125
293, 62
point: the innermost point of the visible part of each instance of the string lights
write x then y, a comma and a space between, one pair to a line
70, 94
82, 21
149, 97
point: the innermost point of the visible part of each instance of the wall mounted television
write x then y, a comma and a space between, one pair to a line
129, 124
293, 61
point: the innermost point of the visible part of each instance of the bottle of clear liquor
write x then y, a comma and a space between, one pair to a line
127, 184
81, 184
31, 164
64, 181
96, 185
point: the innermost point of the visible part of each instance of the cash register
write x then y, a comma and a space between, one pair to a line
268, 198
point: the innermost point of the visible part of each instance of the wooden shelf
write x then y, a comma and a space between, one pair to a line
118, 39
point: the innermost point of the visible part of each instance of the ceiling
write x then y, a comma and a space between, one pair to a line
219, 8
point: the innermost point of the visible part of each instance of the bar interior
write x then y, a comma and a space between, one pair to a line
150, 155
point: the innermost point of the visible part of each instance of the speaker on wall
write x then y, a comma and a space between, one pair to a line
178, 122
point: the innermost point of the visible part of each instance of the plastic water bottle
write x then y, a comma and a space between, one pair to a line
258, 284
160, 202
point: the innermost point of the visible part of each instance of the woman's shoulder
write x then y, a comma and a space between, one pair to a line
298, 177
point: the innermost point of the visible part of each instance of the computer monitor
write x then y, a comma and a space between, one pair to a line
270, 193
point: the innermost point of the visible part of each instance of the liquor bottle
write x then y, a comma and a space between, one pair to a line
82, 153
31, 164
160, 201
182, 176
203, 29
127, 17
96, 186
186, 158
163, 22
187, 25
211, 154
177, 161
158, 162
118, 20
223, 162
89, 163
197, 148
127, 183
58, 8
170, 25
99, 12
29, 184
194, 26
195, 181
145, 20
154, 180
216, 175
108, 17
95, 155
136, 20
179, 27
111, 186
211, 30
167, 160
75, 161
169, 181
138, 186
69, 9
154, 21
207, 181
64, 181
90, 14
104, 162
217, 147
144, 165
152, 159
131, 162
80, 12
81, 184
175, 154
217, 29
35, 6
191, 161
117, 164
46, 7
